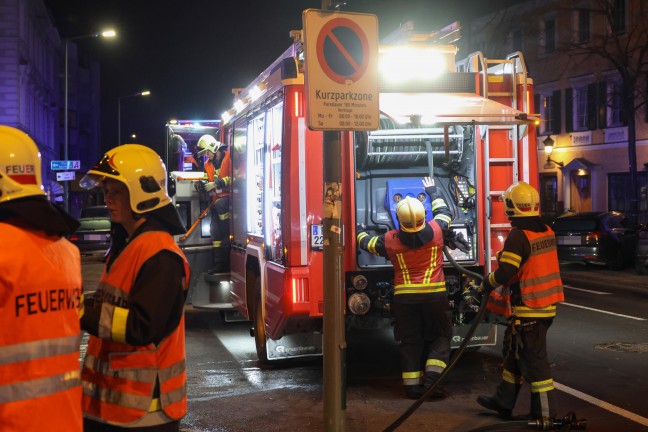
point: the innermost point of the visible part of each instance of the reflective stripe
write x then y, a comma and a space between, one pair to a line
174, 396
115, 294
419, 288
492, 281
430, 269
412, 378
39, 349
217, 243
527, 312
510, 377
120, 317
103, 367
511, 258
224, 216
173, 370
105, 321
445, 218
40, 387
372, 245
434, 365
155, 405
115, 397
403, 268
438, 203
542, 386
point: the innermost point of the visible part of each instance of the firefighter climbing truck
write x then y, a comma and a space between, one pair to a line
467, 124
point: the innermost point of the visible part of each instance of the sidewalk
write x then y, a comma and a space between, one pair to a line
601, 277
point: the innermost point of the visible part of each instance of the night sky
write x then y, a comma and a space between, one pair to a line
190, 54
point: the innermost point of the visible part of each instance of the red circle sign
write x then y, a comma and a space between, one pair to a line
342, 50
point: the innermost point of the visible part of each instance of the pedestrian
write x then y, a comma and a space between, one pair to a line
134, 372
40, 290
525, 289
218, 169
422, 317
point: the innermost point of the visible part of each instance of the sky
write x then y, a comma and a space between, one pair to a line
190, 54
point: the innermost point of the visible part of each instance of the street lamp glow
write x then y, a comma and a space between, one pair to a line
108, 33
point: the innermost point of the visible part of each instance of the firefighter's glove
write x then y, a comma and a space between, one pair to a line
430, 188
220, 183
455, 241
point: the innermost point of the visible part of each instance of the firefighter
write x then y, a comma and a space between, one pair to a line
218, 169
40, 290
423, 326
525, 289
134, 372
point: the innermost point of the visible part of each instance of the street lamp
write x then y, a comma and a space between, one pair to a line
106, 34
548, 148
142, 93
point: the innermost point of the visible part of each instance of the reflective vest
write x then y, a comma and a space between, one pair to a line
118, 378
417, 270
224, 171
40, 290
539, 280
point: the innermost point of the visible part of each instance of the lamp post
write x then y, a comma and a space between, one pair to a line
548, 148
142, 93
106, 34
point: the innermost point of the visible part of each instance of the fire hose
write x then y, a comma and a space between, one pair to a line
565, 424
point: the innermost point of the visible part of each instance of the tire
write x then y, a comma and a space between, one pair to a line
640, 267
260, 337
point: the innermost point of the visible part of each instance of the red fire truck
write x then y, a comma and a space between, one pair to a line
467, 123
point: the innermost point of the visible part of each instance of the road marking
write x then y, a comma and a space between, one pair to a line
586, 290
602, 404
602, 311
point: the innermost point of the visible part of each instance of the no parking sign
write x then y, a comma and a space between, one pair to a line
341, 58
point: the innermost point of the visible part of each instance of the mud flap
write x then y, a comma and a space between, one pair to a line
485, 334
294, 346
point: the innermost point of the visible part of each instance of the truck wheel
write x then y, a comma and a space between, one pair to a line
640, 267
260, 337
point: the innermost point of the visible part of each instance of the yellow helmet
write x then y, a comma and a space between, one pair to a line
521, 200
411, 215
20, 165
208, 142
142, 171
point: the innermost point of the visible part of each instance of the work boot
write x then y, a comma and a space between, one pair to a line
493, 404
428, 381
414, 391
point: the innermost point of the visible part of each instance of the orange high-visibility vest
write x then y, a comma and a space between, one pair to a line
40, 290
539, 278
119, 379
417, 270
225, 170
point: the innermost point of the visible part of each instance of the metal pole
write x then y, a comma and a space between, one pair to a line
119, 121
66, 197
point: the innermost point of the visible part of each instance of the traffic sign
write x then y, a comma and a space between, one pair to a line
341, 70
65, 165
64, 176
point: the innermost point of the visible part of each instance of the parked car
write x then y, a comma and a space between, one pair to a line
641, 258
100, 211
92, 236
600, 238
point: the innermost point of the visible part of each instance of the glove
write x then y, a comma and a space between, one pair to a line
210, 186
430, 188
220, 183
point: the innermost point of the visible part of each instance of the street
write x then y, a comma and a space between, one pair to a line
598, 347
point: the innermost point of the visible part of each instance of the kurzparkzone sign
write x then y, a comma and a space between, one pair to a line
341, 58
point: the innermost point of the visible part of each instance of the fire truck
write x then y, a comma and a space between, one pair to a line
467, 123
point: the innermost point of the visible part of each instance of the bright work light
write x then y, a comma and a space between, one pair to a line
406, 63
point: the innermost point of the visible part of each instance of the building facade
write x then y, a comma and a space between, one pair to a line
582, 55
32, 91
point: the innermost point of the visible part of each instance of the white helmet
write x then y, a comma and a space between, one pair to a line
20, 165
521, 200
142, 171
208, 142
411, 215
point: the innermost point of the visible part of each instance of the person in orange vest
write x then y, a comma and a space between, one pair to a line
422, 317
218, 175
40, 292
134, 371
525, 289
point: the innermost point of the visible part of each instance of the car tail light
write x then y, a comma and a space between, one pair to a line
592, 239
300, 290
74, 238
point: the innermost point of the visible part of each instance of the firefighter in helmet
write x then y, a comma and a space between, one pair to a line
39, 342
525, 289
422, 319
218, 169
134, 372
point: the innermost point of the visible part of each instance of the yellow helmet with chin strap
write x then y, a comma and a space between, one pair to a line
142, 171
208, 143
20, 165
521, 200
411, 215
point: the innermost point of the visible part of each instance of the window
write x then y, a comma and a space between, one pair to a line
619, 194
580, 108
549, 35
618, 16
615, 109
582, 26
547, 114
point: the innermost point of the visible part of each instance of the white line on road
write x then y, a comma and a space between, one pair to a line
586, 290
602, 404
602, 311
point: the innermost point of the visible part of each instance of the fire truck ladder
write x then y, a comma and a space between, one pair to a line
500, 79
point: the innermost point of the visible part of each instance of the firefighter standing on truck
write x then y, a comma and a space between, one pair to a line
40, 290
218, 173
422, 316
134, 371
525, 289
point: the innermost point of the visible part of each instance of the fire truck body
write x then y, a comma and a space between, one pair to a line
468, 129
